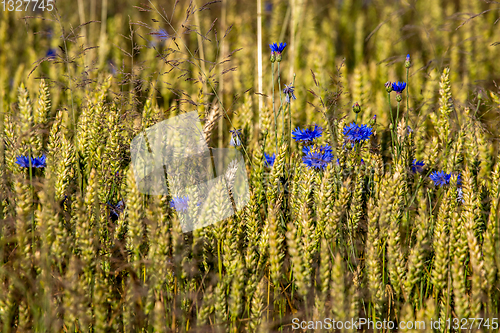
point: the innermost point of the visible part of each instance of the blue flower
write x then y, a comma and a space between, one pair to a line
116, 210
318, 157
288, 91
307, 134
180, 204
407, 61
357, 133
459, 179
440, 178
235, 137
398, 87
269, 6
269, 160
51, 54
36, 162
417, 166
277, 48
161, 34
460, 195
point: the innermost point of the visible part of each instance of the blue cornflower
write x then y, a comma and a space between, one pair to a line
277, 48
460, 195
417, 166
36, 162
115, 210
407, 61
357, 133
440, 178
235, 137
398, 87
288, 91
318, 157
180, 204
268, 6
161, 34
51, 54
307, 134
459, 179
269, 160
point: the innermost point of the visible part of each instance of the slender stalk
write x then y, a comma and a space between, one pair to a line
392, 122
274, 110
219, 261
290, 129
395, 127
281, 97
407, 98
102, 37
259, 58
221, 80
200, 47
32, 198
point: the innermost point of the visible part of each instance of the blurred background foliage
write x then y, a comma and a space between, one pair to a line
370, 39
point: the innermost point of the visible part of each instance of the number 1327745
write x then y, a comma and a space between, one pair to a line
27, 5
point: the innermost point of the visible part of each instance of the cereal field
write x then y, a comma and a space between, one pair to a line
368, 188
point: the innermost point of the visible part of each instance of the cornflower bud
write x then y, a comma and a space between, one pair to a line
388, 86
407, 62
356, 108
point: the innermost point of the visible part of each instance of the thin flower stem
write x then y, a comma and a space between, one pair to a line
290, 130
274, 109
219, 260
281, 98
394, 128
392, 122
407, 98
32, 198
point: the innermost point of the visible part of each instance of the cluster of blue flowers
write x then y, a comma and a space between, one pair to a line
354, 133
316, 157
398, 87
36, 162
276, 50
441, 178
307, 135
